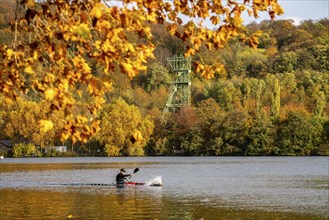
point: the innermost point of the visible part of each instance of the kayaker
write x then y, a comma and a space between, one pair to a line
121, 177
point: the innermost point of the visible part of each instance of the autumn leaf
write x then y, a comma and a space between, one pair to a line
190, 52
10, 53
64, 136
136, 136
35, 55
126, 68
108, 47
172, 29
96, 11
30, 3
95, 126
76, 137
253, 40
64, 85
81, 119
107, 86
82, 30
214, 20
45, 125
73, 44
29, 70
199, 67
50, 94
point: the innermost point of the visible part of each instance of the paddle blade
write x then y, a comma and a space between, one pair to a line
136, 170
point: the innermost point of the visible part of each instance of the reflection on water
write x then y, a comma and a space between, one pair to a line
123, 204
194, 188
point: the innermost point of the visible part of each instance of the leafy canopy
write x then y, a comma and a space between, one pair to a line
67, 49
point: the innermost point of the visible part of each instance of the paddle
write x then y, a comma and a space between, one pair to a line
135, 171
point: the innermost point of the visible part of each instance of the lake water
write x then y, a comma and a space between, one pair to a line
193, 188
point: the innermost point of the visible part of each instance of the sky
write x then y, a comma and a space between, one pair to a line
299, 10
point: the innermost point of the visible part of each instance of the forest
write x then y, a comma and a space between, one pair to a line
272, 100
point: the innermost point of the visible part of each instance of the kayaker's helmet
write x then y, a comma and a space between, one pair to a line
122, 170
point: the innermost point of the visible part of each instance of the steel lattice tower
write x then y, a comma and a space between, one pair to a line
180, 91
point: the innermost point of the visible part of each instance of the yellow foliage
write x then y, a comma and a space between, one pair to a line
127, 68
50, 78
45, 125
50, 94
10, 53
97, 11
123, 126
253, 41
136, 136
112, 151
64, 85
29, 70
107, 85
81, 119
107, 46
271, 51
30, 3
81, 29
69, 39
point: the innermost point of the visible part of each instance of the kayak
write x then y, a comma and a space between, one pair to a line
154, 182
135, 184
124, 184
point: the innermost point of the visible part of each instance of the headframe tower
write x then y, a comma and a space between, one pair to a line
180, 90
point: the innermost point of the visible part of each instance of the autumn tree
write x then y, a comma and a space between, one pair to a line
210, 117
59, 44
19, 122
155, 77
6, 17
124, 131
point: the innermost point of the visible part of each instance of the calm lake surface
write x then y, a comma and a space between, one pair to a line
193, 188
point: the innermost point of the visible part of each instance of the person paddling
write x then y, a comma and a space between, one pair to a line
122, 177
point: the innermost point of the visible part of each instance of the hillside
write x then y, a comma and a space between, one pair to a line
272, 100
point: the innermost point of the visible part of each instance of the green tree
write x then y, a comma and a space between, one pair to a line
285, 62
156, 76
320, 104
259, 94
245, 90
275, 107
20, 150
192, 143
223, 91
261, 138
235, 133
252, 63
320, 53
324, 145
298, 133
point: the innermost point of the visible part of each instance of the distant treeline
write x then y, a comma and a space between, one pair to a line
269, 101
